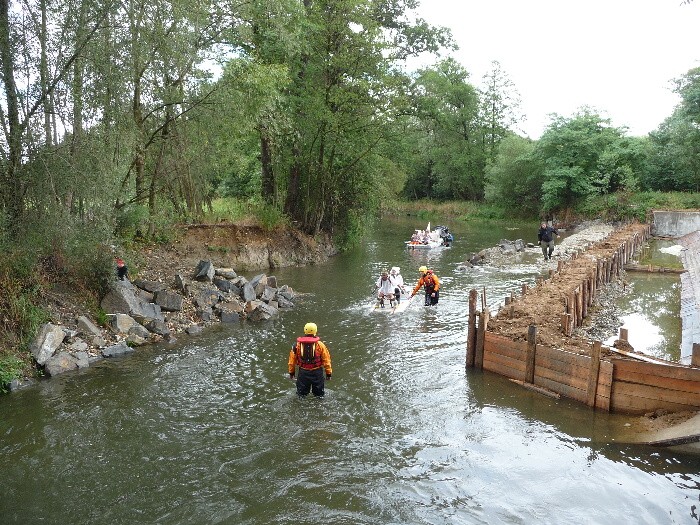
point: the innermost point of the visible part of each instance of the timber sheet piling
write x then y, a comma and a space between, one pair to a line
533, 340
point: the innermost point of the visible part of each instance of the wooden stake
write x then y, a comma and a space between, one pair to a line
531, 350
471, 329
593, 374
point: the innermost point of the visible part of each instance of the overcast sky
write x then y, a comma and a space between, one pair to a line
617, 56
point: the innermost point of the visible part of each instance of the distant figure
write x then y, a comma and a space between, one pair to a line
545, 238
312, 357
122, 270
432, 286
385, 289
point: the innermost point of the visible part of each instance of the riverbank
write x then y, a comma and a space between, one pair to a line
168, 292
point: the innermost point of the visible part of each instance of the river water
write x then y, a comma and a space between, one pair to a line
209, 430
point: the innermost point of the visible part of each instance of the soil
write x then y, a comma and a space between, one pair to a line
544, 305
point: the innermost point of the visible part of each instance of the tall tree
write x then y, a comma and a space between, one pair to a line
500, 107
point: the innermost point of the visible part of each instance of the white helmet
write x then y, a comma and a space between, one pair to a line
395, 270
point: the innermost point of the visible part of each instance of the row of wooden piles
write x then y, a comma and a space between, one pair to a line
531, 339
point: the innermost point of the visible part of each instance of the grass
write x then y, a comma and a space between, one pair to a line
252, 211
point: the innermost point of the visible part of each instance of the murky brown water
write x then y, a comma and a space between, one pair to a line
209, 431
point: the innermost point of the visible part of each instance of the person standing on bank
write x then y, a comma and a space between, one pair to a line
312, 358
122, 269
432, 286
545, 238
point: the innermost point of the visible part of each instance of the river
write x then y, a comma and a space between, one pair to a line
209, 430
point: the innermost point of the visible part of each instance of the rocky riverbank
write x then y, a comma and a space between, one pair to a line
176, 289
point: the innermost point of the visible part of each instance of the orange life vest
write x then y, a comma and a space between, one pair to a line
307, 356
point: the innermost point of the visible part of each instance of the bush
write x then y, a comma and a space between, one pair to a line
11, 367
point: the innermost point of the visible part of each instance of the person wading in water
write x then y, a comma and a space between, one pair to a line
432, 286
312, 357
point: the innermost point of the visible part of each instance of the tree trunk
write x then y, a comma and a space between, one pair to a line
12, 193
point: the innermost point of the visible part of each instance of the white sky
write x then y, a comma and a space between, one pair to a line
616, 56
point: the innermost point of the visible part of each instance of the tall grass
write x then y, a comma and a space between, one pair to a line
252, 211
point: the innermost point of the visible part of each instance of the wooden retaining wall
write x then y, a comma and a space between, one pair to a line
611, 383
565, 373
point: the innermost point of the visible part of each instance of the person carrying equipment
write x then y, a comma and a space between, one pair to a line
432, 286
385, 289
312, 357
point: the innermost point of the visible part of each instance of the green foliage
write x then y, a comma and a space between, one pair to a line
250, 210
451, 139
11, 368
515, 178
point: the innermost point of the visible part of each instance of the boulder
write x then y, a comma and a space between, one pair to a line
116, 350
87, 327
149, 286
268, 294
226, 273
272, 281
262, 312
122, 299
205, 313
60, 363
248, 293
257, 279
283, 303
193, 329
204, 272
181, 284
168, 301
228, 317
46, 342
222, 284
121, 323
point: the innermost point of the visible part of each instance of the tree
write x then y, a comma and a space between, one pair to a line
515, 178
500, 107
571, 150
447, 110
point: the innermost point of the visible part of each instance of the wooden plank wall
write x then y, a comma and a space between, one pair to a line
640, 387
619, 385
562, 372
627, 386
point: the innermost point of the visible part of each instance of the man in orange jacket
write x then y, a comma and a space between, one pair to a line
312, 357
432, 286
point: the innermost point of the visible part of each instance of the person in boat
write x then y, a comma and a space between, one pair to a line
397, 280
385, 289
431, 283
312, 358
545, 238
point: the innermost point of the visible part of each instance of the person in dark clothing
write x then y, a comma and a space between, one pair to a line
122, 270
312, 358
545, 238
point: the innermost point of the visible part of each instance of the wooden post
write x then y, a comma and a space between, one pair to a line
695, 357
593, 374
564, 319
524, 291
480, 337
531, 350
471, 331
623, 334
